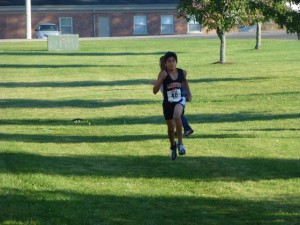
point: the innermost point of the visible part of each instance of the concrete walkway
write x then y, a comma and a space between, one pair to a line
237, 35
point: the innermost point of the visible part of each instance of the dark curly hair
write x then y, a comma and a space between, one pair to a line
170, 54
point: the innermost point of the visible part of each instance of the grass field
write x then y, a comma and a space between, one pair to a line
113, 168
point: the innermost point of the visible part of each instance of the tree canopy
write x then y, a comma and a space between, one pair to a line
219, 15
223, 15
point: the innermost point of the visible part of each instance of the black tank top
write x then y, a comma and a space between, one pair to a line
172, 89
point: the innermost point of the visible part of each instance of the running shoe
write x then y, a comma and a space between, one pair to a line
181, 149
173, 151
188, 132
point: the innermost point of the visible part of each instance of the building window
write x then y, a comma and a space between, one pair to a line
140, 25
193, 26
66, 25
167, 24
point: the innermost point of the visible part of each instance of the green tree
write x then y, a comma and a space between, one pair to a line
291, 18
284, 15
219, 15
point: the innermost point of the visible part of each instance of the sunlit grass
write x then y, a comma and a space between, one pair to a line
113, 167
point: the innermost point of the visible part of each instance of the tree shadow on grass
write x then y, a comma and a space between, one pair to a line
103, 83
74, 83
135, 120
292, 93
74, 208
74, 103
239, 117
161, 167
264, 129
83, 121
63, 53
52, 66
226, 79
105, 138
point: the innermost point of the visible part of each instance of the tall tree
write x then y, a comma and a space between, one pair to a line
219, 15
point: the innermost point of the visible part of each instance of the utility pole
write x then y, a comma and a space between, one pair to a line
28, 19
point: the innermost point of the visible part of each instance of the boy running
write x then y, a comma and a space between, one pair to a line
173, 80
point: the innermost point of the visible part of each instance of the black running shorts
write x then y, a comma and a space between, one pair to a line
168, 109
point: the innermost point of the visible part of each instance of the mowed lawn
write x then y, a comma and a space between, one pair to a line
112, 167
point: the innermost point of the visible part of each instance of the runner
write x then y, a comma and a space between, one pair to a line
187, 129
173, 80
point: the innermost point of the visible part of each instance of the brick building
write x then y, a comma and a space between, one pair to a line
95, 18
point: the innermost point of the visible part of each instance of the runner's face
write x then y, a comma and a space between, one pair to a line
171, 63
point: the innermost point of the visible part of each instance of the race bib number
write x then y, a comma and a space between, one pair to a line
174, 95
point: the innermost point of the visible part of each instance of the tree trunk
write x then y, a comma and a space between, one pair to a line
222, 38
258, 36
298, 34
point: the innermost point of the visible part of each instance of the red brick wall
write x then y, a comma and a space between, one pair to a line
180, 25
121, 24
12, 25
82, 22
154, 24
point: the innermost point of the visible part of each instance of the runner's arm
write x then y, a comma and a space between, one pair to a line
187, 87
161, 76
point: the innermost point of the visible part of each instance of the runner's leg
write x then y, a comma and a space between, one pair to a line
178, 110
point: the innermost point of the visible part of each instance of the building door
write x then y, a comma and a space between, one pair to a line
103, 27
